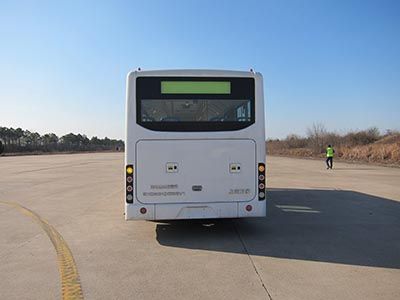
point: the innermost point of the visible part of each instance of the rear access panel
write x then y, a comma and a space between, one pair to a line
195, 171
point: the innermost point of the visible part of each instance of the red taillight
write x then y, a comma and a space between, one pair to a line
143, 210
249, 207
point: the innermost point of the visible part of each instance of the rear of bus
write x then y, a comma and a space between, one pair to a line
195, 145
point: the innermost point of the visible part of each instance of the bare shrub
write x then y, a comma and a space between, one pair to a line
363, 137
333, 139
317, 137
295, 141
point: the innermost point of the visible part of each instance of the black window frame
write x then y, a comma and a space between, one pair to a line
149, 87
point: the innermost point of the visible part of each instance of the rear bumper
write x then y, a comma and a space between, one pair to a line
195, 210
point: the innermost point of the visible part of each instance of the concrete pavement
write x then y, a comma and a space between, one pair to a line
329, 234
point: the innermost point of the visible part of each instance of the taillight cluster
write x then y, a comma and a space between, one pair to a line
261, 181
129, 184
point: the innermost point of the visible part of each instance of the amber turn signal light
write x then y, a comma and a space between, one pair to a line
129, 170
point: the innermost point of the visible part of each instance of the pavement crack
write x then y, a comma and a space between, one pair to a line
251, 260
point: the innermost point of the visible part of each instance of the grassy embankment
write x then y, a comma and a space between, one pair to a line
362, 146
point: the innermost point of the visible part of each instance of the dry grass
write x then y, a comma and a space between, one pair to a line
377, 152
386, 150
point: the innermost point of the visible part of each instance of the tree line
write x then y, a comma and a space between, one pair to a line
19, 140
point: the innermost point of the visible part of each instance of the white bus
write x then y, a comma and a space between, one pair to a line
195, 145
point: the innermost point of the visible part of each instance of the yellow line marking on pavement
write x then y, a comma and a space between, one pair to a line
70, 283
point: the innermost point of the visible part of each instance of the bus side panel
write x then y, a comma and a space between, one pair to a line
131, 212
261, 145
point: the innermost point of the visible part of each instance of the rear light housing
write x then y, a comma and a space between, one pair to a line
261, 181
129, 183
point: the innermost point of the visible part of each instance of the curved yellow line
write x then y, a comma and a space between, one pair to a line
70, 283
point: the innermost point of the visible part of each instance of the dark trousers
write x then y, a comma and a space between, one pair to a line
329, 162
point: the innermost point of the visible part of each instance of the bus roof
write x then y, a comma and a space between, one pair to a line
195, 72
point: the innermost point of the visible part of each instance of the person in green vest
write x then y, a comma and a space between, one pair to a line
329, 157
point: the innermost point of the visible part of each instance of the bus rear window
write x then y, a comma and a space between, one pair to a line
195, 110
195, 103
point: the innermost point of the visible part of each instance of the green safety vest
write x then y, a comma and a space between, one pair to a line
329, 152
